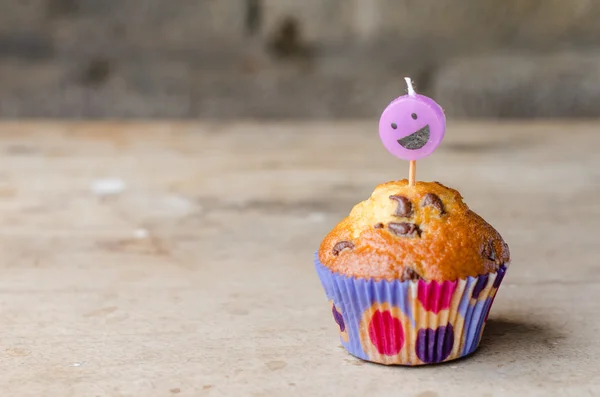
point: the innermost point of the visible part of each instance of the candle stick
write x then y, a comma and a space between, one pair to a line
412, 164
412, 172
409, 86
412, 127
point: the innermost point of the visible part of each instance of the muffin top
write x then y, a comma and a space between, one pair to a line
403, 233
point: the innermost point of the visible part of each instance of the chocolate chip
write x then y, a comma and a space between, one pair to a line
404, 229
378, 225
410, 274
404, 207
434, 201
340, 245
506, 256
488, 252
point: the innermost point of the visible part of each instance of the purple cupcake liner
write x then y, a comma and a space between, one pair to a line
409, 322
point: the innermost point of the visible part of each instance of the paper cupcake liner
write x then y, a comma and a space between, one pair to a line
409, 322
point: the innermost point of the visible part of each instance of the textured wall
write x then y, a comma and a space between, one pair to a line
289, 58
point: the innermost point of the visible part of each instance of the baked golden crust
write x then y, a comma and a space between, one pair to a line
401, 232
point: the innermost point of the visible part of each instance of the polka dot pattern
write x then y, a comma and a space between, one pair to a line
436, 296
386, 333
435, 345
483, 293
339, 320
499, 276
412, 322
480, 285
439, 325
383, 334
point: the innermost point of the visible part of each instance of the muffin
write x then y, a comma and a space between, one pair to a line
411, 275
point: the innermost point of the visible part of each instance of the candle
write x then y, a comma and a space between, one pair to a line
412, 127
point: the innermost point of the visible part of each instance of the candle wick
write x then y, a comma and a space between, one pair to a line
411, 90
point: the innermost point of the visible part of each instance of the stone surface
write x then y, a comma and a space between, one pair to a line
195, 276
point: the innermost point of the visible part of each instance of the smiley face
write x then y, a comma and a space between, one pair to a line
412, 126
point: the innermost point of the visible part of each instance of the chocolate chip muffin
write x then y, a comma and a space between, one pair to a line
416, 232
411, 275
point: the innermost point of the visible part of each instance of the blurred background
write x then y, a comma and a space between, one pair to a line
275, 59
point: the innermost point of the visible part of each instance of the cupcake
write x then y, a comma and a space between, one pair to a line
411, 275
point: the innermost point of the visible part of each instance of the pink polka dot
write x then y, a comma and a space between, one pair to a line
436, 296
386, 333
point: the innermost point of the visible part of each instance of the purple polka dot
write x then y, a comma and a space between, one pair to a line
480, 285
499, 276
435, 345
337, 316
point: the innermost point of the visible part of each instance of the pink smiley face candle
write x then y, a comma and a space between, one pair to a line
412, 126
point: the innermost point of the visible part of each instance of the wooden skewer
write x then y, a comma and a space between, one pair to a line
412, 171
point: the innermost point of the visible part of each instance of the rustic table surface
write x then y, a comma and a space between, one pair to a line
158, 259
